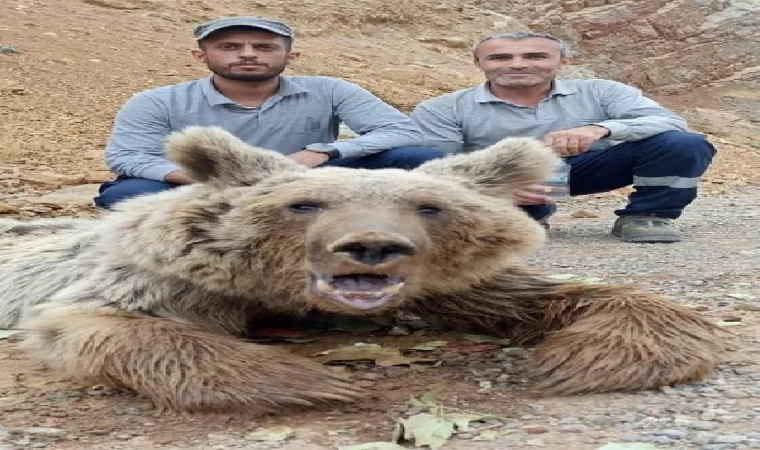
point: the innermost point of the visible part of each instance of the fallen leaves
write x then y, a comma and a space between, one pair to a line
381, 356
434, 426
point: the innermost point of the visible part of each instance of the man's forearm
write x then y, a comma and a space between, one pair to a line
391, 136
642, 127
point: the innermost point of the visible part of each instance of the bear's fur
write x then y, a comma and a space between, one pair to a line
154, 296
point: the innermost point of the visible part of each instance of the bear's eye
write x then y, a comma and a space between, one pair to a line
428, 210
305, 207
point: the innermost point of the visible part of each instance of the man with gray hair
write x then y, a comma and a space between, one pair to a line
608, 132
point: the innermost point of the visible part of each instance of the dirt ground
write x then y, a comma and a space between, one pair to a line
80, 59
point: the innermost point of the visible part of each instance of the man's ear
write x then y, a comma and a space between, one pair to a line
213, 155
499, 170
199, 55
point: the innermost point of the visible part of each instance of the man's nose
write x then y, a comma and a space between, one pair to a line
248, 52
517, 63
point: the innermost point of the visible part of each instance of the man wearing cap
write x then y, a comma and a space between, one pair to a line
247, 95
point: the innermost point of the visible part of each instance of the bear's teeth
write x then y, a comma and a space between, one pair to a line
362, 291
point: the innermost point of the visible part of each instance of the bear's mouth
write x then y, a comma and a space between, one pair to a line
358, 290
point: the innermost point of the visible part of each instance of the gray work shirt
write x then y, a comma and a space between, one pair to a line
305, 110
474, 118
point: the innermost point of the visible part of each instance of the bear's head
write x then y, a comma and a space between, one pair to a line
260, 226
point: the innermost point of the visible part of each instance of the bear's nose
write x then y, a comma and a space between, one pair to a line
374, 252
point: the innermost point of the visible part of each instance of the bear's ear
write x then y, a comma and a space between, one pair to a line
500, 169
213, 155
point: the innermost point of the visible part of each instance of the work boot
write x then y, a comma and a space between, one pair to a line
646, 229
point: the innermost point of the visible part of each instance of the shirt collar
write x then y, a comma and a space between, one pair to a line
559, 87
287, 88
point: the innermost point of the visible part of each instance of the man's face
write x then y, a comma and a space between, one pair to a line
245, 55
519, 62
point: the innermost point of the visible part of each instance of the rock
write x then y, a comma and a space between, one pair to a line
735, 393
52, 179
672, 434
509, 24
75, 195
584, 214
370, 376
535, 429
9, 49
98, 176
7, 209
729, 439
398, 330
747, 307
446, 41
45, 432
697, 424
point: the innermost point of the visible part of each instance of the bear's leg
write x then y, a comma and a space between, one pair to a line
596, 338
176, 366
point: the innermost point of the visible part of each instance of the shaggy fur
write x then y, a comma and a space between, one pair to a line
154, 296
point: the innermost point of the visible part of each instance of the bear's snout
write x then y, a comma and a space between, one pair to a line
373, 248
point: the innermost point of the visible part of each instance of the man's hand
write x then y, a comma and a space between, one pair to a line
535, 194
179, 177
574, 141
309, 158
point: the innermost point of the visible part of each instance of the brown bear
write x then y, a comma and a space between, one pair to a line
155, 295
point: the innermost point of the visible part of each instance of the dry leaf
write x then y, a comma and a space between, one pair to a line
428, 346
5, 334
273, 434
426, 429
382, 356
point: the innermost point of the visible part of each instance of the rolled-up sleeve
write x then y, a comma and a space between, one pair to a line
380, 126
136, 145
633, 116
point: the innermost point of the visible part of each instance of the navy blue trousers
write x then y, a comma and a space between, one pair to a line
663, 169
112, 192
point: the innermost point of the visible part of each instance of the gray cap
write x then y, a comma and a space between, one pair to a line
203, 30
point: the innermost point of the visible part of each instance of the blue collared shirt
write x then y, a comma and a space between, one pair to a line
473, 118
305, 110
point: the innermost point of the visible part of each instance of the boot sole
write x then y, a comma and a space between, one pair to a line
647, 239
